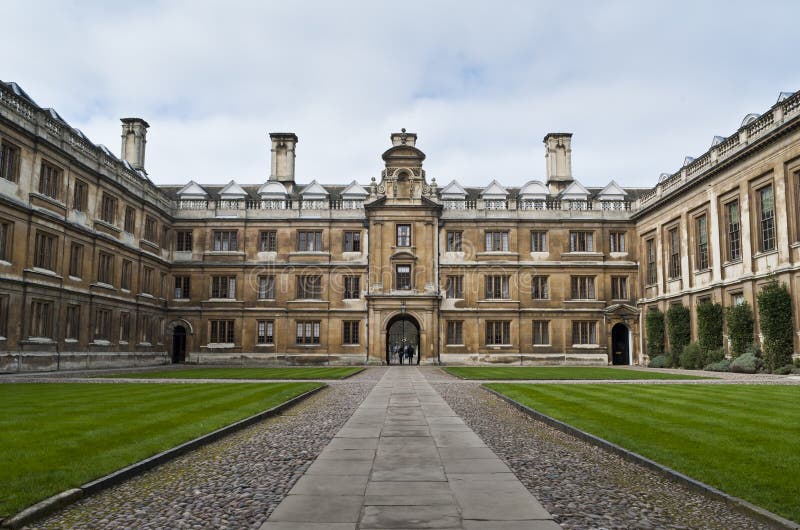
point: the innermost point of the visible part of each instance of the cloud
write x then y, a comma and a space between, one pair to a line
639, 85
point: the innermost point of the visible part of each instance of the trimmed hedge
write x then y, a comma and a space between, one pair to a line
740, 328
654, 323
775, 316
679, 330
746, 364
709, 326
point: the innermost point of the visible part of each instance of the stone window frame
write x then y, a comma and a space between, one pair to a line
351, 287
651, 260
108, 208
265, 332
454, 286
9, 170
454, 240
619, 288
454, 333
498, 333
701, 257
130, 220
181, 289
584, 332
80, 196
50, 177
42, 313
72, 323
6, 239
539, 241
268, 241
673, 250
351, 332
403, 240
540, 332
184, 240
45, 253
540, 287
304, 337
729, 229
759, 225
224, 329
351, 241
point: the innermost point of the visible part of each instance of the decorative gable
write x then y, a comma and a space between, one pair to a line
575, 191
272, 190
232, 192
453, 192
192, 191
354, 191
494, 191
612, 192
314, 191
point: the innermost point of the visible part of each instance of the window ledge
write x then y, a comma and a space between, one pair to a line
47, 198
265, 299
100, 342
586, 346
351, 345
71, 341
581, 300
308, 345
496, 253
181, 299
223, 253
318, 253
766, 253
585, 253
44, 272
38, 340
108, 225
732, 262
222, 300
104, 286
702, 271
454, 345
671, 280
75, 278
270, 345
144, 344
146, 295
5, 263
542, 345
220, 345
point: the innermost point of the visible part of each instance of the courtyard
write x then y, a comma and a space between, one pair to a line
402, 447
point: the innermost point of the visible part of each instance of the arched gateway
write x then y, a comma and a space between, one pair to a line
402, 333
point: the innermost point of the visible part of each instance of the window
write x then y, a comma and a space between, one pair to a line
125, 280
9, 162
265, 332
150, 229
183, 241
4, 315
164, 237
766, 210
701, 259
181, 287
49, 180
76, 260
307, 332
402, 277
619, 288
538, 241
350, 330
617, 243
498, 332
80, 196
737, 298
733, 230
102, 324
309, 287
221, 332
541, 332
145, 329
584, 332
72, 326
105, 268
454, 286
539, 289
266, 287
41, 319
454, 241
147, 280
5, 240
268, 241
403, 235
352, 287
652, 276
581, 241
108, 208
130, 219
309, 241
674, 253
223, 287
496, 241
352, 241
455, 332
124, 327
582, 287
497, 287
44, 255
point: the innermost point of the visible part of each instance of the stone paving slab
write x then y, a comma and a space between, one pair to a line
405, 459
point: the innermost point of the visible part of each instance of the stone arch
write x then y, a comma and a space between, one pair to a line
180, 322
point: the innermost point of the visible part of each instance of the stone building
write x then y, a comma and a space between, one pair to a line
101, 267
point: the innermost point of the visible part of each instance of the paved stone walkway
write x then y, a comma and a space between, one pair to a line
406, 460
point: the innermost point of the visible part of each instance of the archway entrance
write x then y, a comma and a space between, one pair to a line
620, 344
178, 344
402, 340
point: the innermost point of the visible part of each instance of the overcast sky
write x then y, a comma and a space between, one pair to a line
640, 86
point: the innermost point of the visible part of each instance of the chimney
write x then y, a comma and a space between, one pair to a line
403, 138
134, 139
558, 157
282, 160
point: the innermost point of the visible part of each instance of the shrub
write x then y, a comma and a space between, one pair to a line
679, 330
659, 361
654, 324
709, 326
713, 356
775, 315
746, 364
740, 328
720, 366
784, 370
691, 357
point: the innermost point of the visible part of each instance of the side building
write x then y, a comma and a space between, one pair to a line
100, 267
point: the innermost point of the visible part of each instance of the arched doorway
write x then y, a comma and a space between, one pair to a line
620, 345
402, 333
178, 344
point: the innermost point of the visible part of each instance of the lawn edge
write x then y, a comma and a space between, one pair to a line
361, 369
67, 497
741, 505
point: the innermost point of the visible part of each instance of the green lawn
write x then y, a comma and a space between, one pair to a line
58, 436
244, 373
741, 439
558, 373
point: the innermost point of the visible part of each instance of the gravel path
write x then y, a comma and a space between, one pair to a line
233, 483
582, 485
